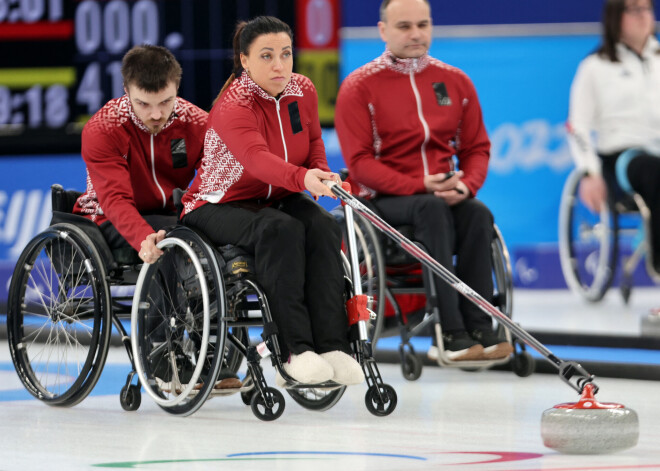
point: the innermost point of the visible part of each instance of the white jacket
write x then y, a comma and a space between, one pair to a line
615, 105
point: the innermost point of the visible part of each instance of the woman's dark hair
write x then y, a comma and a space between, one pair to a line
150, 68
612, 14
246, 33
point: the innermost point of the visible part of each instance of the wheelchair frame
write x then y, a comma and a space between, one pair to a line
227, 304
63, 281
592, 275
384, 287
572, 373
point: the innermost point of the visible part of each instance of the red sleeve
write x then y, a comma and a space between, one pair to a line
238, 127
317, 157
473, 144
108, 171
353, 122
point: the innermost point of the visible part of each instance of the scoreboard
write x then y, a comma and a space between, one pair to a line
60, 60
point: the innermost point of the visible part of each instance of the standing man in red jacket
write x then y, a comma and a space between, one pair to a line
138, 148
400, 120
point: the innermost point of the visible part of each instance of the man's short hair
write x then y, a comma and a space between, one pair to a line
150, 68
385, 3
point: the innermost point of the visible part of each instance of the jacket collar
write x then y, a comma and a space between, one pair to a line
292, 88
404, 66
651, 48
125, 103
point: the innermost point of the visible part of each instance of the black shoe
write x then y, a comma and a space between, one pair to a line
495, 347
459, 346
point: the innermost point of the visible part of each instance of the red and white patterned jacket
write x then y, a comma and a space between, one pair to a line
398, 120
131, 171
258, 147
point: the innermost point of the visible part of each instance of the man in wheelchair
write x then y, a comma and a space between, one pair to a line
400, 120
138, 149
615, 96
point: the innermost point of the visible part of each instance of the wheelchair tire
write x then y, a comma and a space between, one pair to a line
381, 403
411, 366
317, 399
502, 274
130, 398
588, 243
177, 338
262, 410
523, 364
372, 269
58, 318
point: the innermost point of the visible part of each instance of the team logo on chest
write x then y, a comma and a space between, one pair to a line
441, 94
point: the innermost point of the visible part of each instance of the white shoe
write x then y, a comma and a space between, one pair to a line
433, 353
307, 368
347, 370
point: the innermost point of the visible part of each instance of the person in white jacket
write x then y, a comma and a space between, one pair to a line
614, 113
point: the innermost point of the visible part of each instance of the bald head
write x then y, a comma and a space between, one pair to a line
385, 4
406, 27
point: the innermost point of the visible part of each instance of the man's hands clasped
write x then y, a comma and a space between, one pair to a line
447, 186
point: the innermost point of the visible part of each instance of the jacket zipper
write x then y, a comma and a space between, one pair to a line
153, 171
286, 154
425, 125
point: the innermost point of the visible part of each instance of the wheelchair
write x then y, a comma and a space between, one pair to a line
189, 313
61, 307
389, 274
182, 332
590, 244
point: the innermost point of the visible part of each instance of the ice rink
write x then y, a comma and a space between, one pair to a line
447, 419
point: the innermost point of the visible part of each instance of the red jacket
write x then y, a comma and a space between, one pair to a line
398, 120
259, 147
131, 171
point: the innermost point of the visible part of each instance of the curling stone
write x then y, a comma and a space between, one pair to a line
589, 427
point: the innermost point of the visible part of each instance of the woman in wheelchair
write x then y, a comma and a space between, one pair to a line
616, 95
262, 149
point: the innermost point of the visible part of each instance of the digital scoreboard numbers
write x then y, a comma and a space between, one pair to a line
35, 58
60, 60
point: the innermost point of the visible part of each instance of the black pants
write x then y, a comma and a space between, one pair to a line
157, 221
466, 230
644, 176
296, 246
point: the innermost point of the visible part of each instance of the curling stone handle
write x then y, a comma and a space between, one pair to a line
573, 374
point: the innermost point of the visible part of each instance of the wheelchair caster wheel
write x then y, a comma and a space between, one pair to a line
523, 364
626, 290
262, 410
246, 397
381, 403
411, 366
130, 397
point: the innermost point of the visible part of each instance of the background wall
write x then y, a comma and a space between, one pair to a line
520, 55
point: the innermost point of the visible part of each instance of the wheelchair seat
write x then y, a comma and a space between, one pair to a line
63, 202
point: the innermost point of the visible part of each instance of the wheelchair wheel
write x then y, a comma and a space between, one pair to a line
177, 338
502, 275
588, 244
372, 273
58, 320
317, 399
271, 407
381, 401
